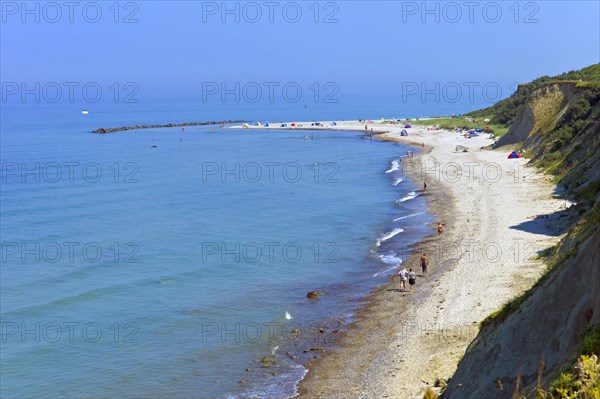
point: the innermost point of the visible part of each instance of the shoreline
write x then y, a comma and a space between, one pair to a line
373, 321
400, 343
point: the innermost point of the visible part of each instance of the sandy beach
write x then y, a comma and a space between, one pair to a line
401, 342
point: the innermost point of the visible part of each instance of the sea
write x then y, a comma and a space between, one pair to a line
176, 262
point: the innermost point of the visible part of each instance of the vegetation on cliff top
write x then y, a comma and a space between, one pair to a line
498, 118
505, 111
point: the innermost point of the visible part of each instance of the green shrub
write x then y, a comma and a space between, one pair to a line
591, 341
581, 381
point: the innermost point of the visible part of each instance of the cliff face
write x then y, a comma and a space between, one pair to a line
539, 114
548, 327
557, 123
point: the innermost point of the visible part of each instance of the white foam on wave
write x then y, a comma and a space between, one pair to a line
398, 181
390, 259
409, 216
408, 196
385, 271
277, 387
391, 234
395, 166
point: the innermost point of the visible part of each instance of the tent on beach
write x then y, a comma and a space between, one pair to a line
513, 154
407, 126
461, 148
403, 133
283, 125
333, 124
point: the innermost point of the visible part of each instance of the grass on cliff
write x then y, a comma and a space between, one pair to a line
582, 378
505, 111
579, 380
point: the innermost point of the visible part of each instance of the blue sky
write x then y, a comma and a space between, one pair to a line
373, 47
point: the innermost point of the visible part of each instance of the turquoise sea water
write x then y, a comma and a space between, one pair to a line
162, 263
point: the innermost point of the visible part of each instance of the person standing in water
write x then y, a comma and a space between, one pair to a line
412, 278
403, 277
424, 263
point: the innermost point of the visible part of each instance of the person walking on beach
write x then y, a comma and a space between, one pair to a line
403, 277
424, 263
412, 278
440, 229
424, 187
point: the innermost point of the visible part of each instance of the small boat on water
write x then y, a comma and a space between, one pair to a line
84, 112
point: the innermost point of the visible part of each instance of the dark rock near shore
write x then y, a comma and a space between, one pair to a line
103, 130
313, 294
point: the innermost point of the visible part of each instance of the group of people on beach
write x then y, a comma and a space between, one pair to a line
410, 275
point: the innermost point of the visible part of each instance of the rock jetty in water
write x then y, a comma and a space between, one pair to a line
103, 130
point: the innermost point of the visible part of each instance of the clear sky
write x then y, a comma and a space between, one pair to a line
364, 46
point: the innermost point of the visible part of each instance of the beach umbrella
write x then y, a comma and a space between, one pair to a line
513, 154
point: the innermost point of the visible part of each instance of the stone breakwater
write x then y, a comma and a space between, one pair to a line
103, 130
